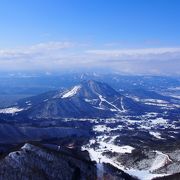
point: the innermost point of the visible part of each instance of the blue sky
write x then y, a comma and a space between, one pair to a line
79, 31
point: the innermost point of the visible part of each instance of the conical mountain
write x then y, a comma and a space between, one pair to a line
90, 99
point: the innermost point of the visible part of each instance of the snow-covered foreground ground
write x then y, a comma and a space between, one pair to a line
96, 155
105, 142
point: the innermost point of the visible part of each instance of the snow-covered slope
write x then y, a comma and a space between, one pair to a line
160, 161
11, 110
38, 162
87, 100
72, 92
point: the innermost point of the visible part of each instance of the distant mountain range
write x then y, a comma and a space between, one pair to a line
90, 99
14, 88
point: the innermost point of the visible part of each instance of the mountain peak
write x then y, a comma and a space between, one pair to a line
85, 89
91, 82
98, 88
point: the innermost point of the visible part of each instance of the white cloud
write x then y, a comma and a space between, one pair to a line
52, 46
34, 50
147, 53
69, 55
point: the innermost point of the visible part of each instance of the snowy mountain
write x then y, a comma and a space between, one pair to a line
90, 99
45, 161
40, 162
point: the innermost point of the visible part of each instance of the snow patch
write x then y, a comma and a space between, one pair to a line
160, 161
122, 105
11, 110
27, 146
72, 92
155, 101
101, 128
159, 121
115, 148
156, 134
87, 100
112, 105
13, 155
